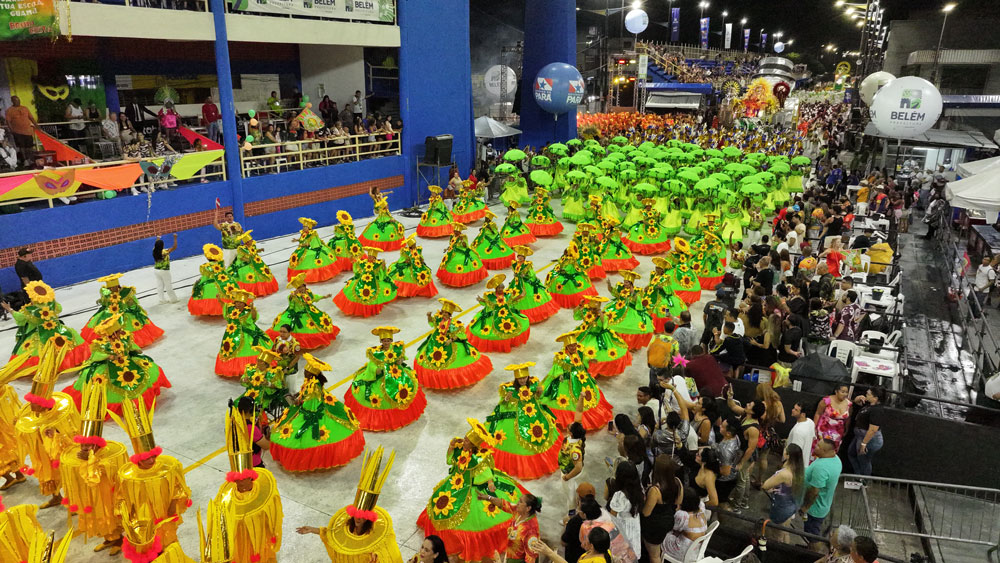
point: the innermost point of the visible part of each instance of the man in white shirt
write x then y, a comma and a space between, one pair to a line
644, 396
804, 431
733, 316
985, 277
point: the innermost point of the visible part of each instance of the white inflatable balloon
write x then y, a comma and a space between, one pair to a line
906, 107
636, 21
495, 76
779, 47
872, 84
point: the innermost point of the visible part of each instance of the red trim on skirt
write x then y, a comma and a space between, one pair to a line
597, 272
384, 420
659, 323
629, 263
454, 378
540, 313
260, 289
501, 263
647, 249
385, 245
593, 419
469, 546
204, 307
529, 466
435, 232
526, 238
320, 457
610, 368
464, 279
234, 367
353, 309
573, 300
471, 217
545, 230
407, 289
311, 340
316, 275
636, 341
689, 297
505, 345
710, 283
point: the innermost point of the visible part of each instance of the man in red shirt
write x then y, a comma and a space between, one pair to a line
473, 179
705, 371
213, 120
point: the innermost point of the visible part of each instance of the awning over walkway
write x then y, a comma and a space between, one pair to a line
941, 138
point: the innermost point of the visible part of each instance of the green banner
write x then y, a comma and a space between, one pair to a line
26, 19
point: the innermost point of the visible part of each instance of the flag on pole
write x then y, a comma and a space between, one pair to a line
704, 33
675, 24
763, 41
729, 35
746, 40
218, 204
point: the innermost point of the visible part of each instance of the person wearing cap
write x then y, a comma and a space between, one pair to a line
38, 322
499, 326
384, 231
370, 289
469, 206
317, 431
117, 360
569, 390
515, 187
491, 248
436, 221
685, 280
604, 348
410, 273
664, 305
568, 282
587, 244
25, 269
445, 359
574, 197
264, 382
312, 256
709, 258
311, 327
471, 529
344, 243
533, 300
461, 266
230, 231
615, 254
648, 236
385, 393
592, 212
628, 314
541, 220
527, 438
701, 207
362, 532
249, 271
241, 335
213, 283
89, 470
121, 300
514, 231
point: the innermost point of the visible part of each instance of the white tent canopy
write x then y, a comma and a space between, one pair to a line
979, 166
489, 128
981, 191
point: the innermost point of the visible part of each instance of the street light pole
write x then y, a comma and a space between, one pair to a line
743, 32
937, 52
723, 41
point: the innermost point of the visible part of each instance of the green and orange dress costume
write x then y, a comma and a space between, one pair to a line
648, 236
471, 529
410, 272
541, 219
312, 257
384, 232
567, 283
38, 321
567, 382
514, 231
242, 334
460, 265
311, 327
605, 348
385, 394
490, 246
369, 290
264, 383
344, 243
435, 222
499, 326
445, 359
206, 293
468, 208
710, 257
588, 247
533, 300
685, 280
121, 300
117, 360
527, 438
664, 305
615, 254
628, 314
318, 431
249, 270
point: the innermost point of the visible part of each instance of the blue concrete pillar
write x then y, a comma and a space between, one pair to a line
549, 37
435, 85
227, 106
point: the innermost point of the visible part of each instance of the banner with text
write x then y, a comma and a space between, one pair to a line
27, 19
367, 10
675, 24
642, 72
729, 35
763, 41
746, 40
704, 33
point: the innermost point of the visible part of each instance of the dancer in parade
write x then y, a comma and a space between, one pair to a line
533, 300
664, 305
460, 266
569, 387
344, 243
490, 246
445, 359
312, 257
264, 382
541, 219
710, 258
567, 283
470, 207
588, 247
384, 232
527, 439
411, 274
230, 231
249, 270
38, 322
385, 394
311, 327
121, 300
242, 334
648, 236
499, 326
288, 350
514, 231
436, 221
19, 527
11, 456
615, 254
685, 280
214, 282
628, 313
607, 351
370, 289
317, 431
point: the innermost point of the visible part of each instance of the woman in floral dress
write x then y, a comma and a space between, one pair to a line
384, 232
410, 273
436, 221
832, 415
490, 246
214, 281
607, 352
527, 437
312, 257
514, 231
38, 321
568, 382
471, 529
664, 305
121, 300
311, 327
498, 326
249, 270
116, 359
469, 207
242, 334
317, 431
385, 394
567, 283
533, 300
264, 382
615, 254
369, 290
648, 236
628, 314
587, 245
541, 220
460, 265
344, 243
445, 359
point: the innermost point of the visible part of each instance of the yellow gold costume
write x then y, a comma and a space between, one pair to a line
10, 407
142, 541
18, 528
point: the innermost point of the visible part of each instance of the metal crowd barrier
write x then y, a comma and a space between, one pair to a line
297, 155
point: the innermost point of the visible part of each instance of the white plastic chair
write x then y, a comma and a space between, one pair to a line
888, 341
845, 351
739, 558
696, 551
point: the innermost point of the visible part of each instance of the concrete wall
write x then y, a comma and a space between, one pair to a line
906, 36
334, 70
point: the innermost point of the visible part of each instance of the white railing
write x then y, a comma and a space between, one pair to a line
273, 158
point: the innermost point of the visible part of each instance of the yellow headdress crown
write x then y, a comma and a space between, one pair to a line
458, 227
239, 295
297, 282
109, 326
218, 545
520, 370
584, 227
648, 201
496, 281
110, 280
478, 434
383, 332
661, 262
39, 292
238, 444
434, 189
568, 337
138, 423
449, 306
512, 204
411, 240
682, 245
307, 222
489, 214
93, 407
245, 236
315, 365
43, 548
629, 275
523, 250
595, 299
372, 251
51, 357
372, 479
266, 354
344, 218
212, 252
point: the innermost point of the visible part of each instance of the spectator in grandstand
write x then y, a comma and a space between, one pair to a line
213, 119
170, 120
328, 110
22, 125
75, 115
841, 542
867, 430
821, 480
864, 550
110, 129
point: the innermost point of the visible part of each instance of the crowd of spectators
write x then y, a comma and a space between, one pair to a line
707, 68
